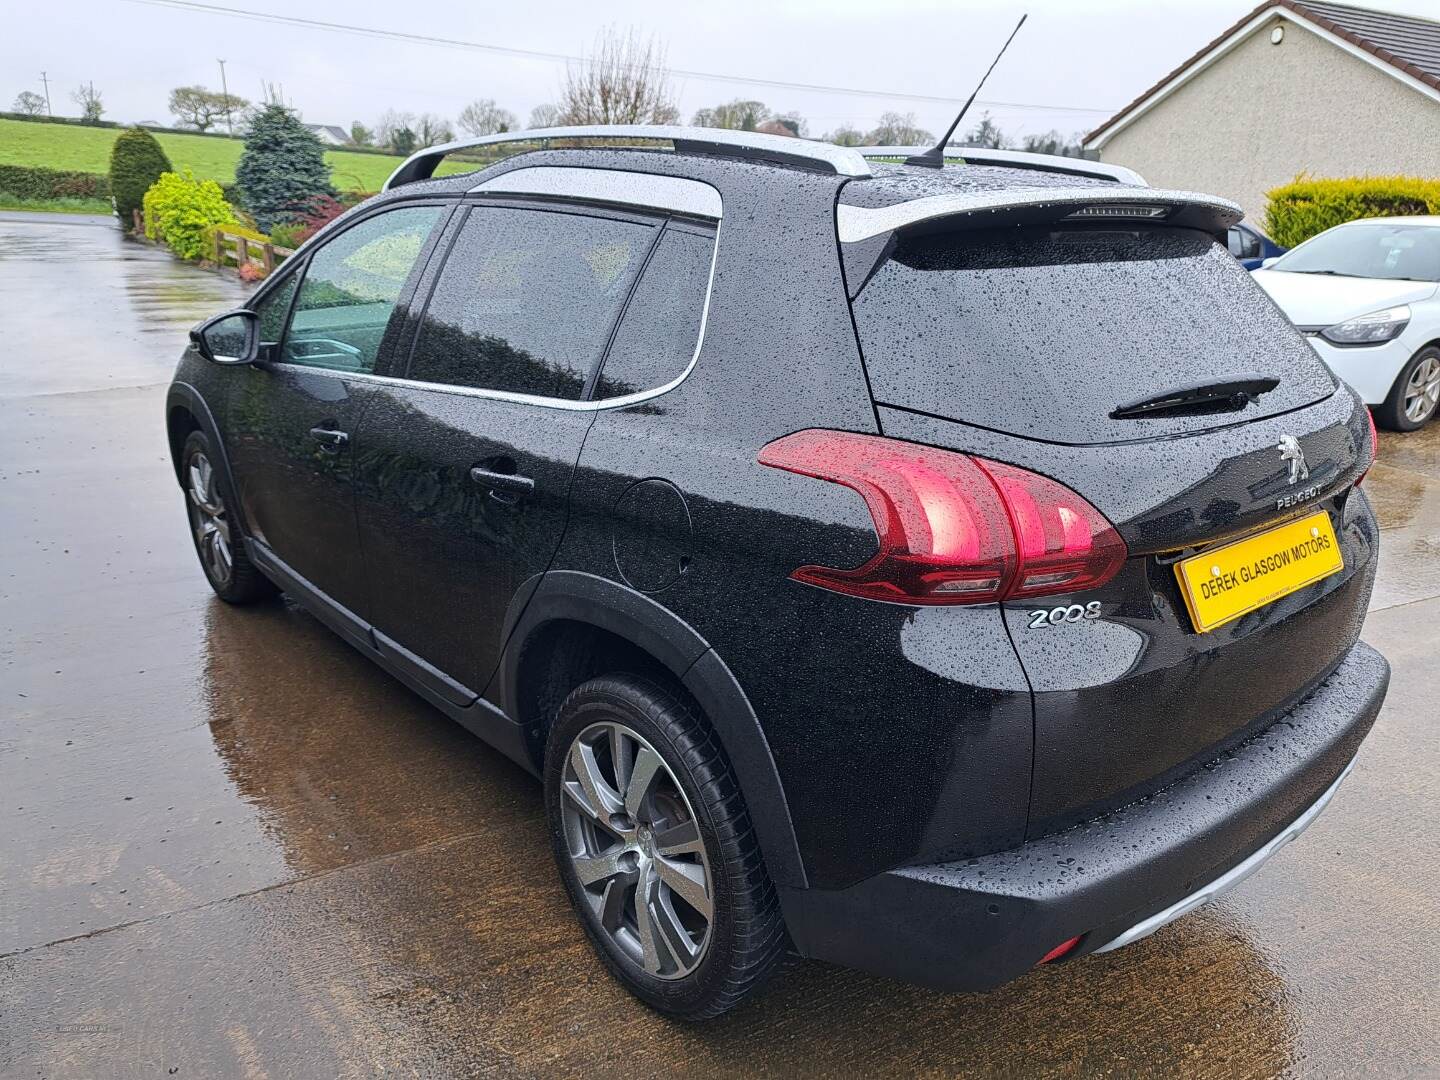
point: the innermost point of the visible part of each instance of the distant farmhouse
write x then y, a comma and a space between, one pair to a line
331, 135
1296, 86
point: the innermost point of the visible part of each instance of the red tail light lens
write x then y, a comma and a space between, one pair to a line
953, 529
1374, 447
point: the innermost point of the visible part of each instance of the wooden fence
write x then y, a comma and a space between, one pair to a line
246, 249
236, 248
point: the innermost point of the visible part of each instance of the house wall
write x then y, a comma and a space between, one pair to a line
1264, 113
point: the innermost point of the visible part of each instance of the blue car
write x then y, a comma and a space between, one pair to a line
1250, 245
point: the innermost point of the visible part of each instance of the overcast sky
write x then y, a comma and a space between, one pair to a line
1092, 55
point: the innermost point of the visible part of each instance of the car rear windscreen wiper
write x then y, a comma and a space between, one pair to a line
1231, 391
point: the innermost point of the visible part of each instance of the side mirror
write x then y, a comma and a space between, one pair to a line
231, 338
1265, 264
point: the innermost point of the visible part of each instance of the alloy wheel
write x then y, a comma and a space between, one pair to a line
208, 519
636, 849
1422, 390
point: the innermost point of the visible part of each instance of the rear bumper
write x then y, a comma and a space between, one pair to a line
979, 923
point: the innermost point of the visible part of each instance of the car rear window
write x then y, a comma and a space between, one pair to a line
661, 326
527, 300
1043, 332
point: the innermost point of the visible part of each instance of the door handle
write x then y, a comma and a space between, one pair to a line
504, 486
329, 439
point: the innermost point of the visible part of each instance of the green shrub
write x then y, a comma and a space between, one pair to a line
136, 162
1306, 207
282, 169
181, 211
31, 182
290, 235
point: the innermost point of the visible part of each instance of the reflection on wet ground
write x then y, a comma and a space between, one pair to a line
233, 847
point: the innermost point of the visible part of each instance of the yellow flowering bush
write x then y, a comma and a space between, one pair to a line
181, 211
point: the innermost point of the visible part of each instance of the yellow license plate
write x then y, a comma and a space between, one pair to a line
1234, 580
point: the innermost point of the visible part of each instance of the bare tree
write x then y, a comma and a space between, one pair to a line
897, 129
622, 81
29, 103
1052, 142
484, 117
986, 133
431, 130
396, 130
543, 116
201, 109
737, 115
91, 108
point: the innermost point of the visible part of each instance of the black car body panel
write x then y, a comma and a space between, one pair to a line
979, 923
884, 750
1127, 701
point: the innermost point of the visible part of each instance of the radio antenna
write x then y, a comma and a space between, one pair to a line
934, 158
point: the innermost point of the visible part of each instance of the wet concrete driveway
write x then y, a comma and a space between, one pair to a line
232, 847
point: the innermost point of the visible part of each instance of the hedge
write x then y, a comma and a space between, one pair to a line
30, 182
1305, 207
136, 162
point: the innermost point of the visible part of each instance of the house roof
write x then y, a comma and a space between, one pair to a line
1406, 45
334, 132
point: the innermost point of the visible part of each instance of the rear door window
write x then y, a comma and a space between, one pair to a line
661, 327
1043, 332
528, 299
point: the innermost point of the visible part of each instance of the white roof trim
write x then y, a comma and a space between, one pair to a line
650, 190
1235, 39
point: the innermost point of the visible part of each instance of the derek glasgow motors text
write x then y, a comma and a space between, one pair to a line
1267, 564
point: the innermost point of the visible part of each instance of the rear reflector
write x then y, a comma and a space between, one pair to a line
1059, 950
953, 529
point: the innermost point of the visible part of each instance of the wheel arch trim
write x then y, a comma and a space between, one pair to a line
574, 596
183, 395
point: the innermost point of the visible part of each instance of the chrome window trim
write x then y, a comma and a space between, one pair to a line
650, 191
855, 223
841, 160
537, 399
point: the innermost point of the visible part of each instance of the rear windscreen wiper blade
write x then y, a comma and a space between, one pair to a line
1232, 391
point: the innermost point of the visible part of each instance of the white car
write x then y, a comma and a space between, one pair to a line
1367, 296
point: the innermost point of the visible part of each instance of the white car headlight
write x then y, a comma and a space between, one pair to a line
1370, 329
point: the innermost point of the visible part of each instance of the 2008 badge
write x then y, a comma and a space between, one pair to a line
1056, 615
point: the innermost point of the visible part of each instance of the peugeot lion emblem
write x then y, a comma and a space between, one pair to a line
1291, 453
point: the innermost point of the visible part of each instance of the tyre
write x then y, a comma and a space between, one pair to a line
1416, 394
655, 848
213, 528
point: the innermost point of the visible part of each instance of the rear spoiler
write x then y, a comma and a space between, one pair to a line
1012, 159
979, 210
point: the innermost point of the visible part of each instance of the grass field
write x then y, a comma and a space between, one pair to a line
87, 149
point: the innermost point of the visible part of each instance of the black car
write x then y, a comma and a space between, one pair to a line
937, 571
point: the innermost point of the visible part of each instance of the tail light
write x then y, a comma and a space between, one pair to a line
1374, 447
953, 529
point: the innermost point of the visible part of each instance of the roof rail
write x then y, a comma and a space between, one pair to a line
1017, 159
780, 149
